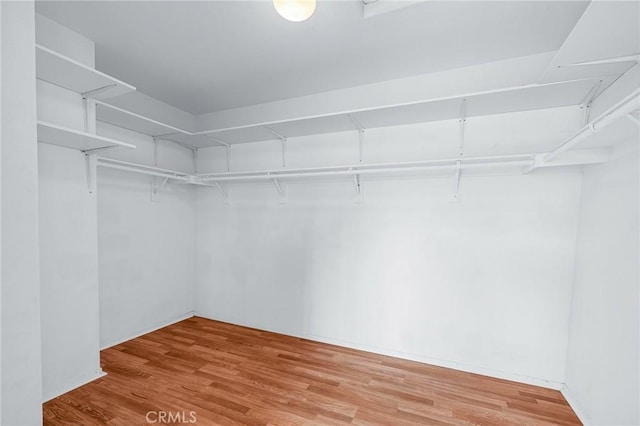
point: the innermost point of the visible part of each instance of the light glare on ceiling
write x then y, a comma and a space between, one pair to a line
295, 10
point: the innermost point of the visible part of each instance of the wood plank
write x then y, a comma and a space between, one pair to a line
232, 375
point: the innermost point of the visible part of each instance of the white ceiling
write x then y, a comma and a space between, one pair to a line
607, 29
210, 56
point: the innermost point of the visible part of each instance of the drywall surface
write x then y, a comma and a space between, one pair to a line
21, 356
603, 357
1, 119
61, 39
68, 233
146, 248
68, 271
482, 285
497, 75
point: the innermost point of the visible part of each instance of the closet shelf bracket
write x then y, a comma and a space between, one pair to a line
361, 130
92, 166
96, 151
461, 123
585, 105
92, 173
455, 195
92, 93
283, 140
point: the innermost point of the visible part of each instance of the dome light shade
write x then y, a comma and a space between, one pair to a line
295, 10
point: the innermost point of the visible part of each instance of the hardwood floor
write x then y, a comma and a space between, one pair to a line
222, 374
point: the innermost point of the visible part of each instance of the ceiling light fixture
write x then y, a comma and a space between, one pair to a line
295, 10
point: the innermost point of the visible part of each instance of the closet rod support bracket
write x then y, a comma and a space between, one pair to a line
357, 185
156, 189
282, 190
225, 194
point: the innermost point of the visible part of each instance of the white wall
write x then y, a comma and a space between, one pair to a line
1, 119
602, 366
146, 248
68, 271
21, 356
68, 234
62, 40
482, 285
146, 266
496, 75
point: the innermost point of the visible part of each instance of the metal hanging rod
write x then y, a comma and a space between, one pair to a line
398, 164
382, 168
144, 169
624, 107
359, 172
527, 161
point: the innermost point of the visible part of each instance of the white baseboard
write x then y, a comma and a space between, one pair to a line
154, 327
498, 374
83, 381
76, 384
576, 406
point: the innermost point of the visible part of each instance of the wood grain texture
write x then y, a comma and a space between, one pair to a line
231, 375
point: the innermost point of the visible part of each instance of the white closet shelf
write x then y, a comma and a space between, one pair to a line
523, 98
76, 139
63, 71
564, 155
133, 121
